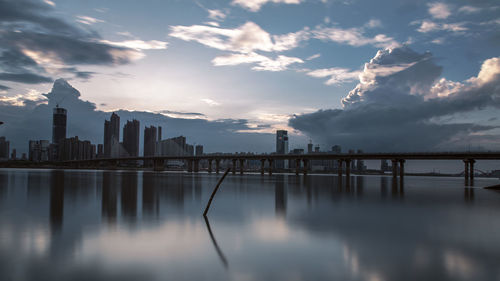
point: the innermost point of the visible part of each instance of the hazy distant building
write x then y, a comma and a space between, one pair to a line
309, 148
384, 165
199, 150
189, 150
131, 137
39, 150
173, 146
336, 149
4, 149
13, 155
112, 136
281, 148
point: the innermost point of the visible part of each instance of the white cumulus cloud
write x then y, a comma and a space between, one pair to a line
439, 10
337, 75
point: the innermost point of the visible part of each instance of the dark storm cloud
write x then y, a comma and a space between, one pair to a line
29, 32
4, 88
398, 105
28, 78
33, 121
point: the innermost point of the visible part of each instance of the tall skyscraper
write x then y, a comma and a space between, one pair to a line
58, 124
150, 140
199, 150
112, 136
281, 148
131, 137
4, 148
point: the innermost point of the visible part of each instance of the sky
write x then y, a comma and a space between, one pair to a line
373, 75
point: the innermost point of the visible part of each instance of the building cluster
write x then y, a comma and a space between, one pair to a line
315, 165
62, 148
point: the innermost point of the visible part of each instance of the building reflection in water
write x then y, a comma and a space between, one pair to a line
56, 200
280, 195
150, 199
129, 196
4, 183
109, 197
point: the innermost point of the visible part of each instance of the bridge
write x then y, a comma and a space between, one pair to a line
301, 161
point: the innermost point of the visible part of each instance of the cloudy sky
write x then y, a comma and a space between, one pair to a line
378, 75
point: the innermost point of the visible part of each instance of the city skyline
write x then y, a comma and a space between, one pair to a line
343, 73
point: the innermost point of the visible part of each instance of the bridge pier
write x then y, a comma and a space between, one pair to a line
469, 171
348, 172
297, 166
196, 165
158, 165
262, 166
401, 171
339, 168
209, 166
242, 166
394, 168
270, 166
217, 165
190, 166
306, 166
234, 167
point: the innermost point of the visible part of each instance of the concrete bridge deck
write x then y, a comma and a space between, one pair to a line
301, 161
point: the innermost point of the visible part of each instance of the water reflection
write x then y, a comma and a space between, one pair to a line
280, 196
109, 195
129, 196
56, 200
270, 228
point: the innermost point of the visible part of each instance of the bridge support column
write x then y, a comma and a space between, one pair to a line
217, 165
158, 165
196, 165
270, 167
190, 166
306, 166
401, 171
339, 168
234, 167
471, 176
347, 172
262, 166
297, 166
242, 166
394, 168
466, 172
209, 166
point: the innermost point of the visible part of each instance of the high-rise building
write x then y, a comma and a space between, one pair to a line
150, 140
131, 137
58, 124
199, 150
13, 156
281, 148
39, 150
112, 136
75, 149
4, 149
189, 150
310, 148
336, 149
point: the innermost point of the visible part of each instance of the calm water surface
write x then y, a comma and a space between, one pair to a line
126, 225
